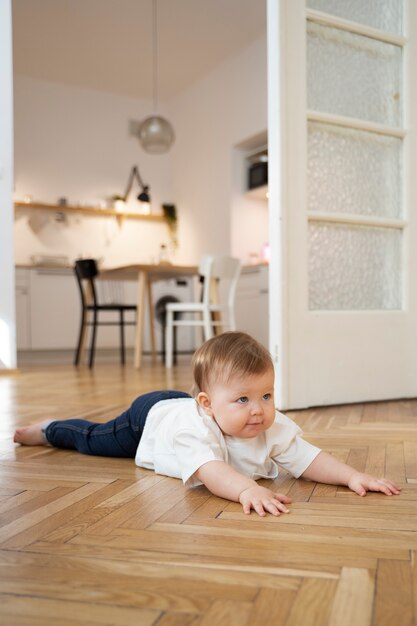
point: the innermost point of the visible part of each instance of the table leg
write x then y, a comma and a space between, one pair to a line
140, 318
151, 317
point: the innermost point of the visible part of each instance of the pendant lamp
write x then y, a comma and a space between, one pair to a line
155, 133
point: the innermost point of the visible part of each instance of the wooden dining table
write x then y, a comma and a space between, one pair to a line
146, 274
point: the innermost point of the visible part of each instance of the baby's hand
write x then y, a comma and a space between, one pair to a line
263, 500
361, 483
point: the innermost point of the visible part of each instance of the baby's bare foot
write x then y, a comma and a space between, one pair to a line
30, 435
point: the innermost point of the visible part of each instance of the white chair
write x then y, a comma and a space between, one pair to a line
220, 276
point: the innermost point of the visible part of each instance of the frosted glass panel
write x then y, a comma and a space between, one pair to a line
354, 268
352, 171
353, 75
386, 15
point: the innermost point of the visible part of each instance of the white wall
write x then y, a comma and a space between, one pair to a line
249, 212
7, 302
74, 143
220, 112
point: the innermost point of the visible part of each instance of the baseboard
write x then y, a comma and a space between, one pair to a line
9, 371
66, 357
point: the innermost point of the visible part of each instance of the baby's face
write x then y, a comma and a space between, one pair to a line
243, 407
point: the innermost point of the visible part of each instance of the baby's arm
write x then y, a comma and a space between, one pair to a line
327, 469
224, 481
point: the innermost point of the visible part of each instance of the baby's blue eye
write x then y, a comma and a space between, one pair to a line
266, 396
243, 399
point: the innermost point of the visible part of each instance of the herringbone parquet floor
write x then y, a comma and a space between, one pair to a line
87, 540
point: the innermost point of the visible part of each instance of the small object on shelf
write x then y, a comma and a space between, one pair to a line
254, 258
50, 260
62, 202
266, 252
119, 203
145, 208
171, 218
258, 168
61, 217
163, 255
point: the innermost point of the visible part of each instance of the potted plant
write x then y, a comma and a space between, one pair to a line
119, 202
171, 218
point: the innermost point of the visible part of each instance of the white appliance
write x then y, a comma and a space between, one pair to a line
174, 290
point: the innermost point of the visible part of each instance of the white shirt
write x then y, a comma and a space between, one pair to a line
179, 437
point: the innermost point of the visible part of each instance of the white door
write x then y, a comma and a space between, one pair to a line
342, 155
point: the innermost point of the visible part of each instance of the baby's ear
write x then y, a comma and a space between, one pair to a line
205, 403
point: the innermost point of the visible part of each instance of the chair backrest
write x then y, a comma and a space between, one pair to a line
86, 268
85, 271
225, 270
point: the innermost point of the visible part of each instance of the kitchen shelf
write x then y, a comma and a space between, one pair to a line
258, 193
119, 215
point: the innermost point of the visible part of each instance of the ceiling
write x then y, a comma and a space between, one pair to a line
106, 45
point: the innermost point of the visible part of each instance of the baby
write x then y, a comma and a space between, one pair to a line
226, 437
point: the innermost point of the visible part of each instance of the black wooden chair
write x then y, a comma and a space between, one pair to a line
85, 272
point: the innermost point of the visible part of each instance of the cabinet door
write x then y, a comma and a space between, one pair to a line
252, 303
55, 309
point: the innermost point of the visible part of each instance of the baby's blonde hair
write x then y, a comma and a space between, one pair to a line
226, 356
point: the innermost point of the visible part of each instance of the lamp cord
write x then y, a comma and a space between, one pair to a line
155, 54
134, 173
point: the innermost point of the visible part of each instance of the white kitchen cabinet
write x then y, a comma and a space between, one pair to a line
54, 309
252, 302
48, 310
22, 278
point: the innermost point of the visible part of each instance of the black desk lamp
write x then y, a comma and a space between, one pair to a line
143, 196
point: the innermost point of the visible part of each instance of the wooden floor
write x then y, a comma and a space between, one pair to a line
89, 540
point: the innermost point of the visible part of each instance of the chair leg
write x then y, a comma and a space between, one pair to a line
164, 329
122, 337
208, 326
232, 320
164, 332
175, 330
80, 338
168, 339
93, 340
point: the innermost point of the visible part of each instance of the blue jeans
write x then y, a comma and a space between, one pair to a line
119, 437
